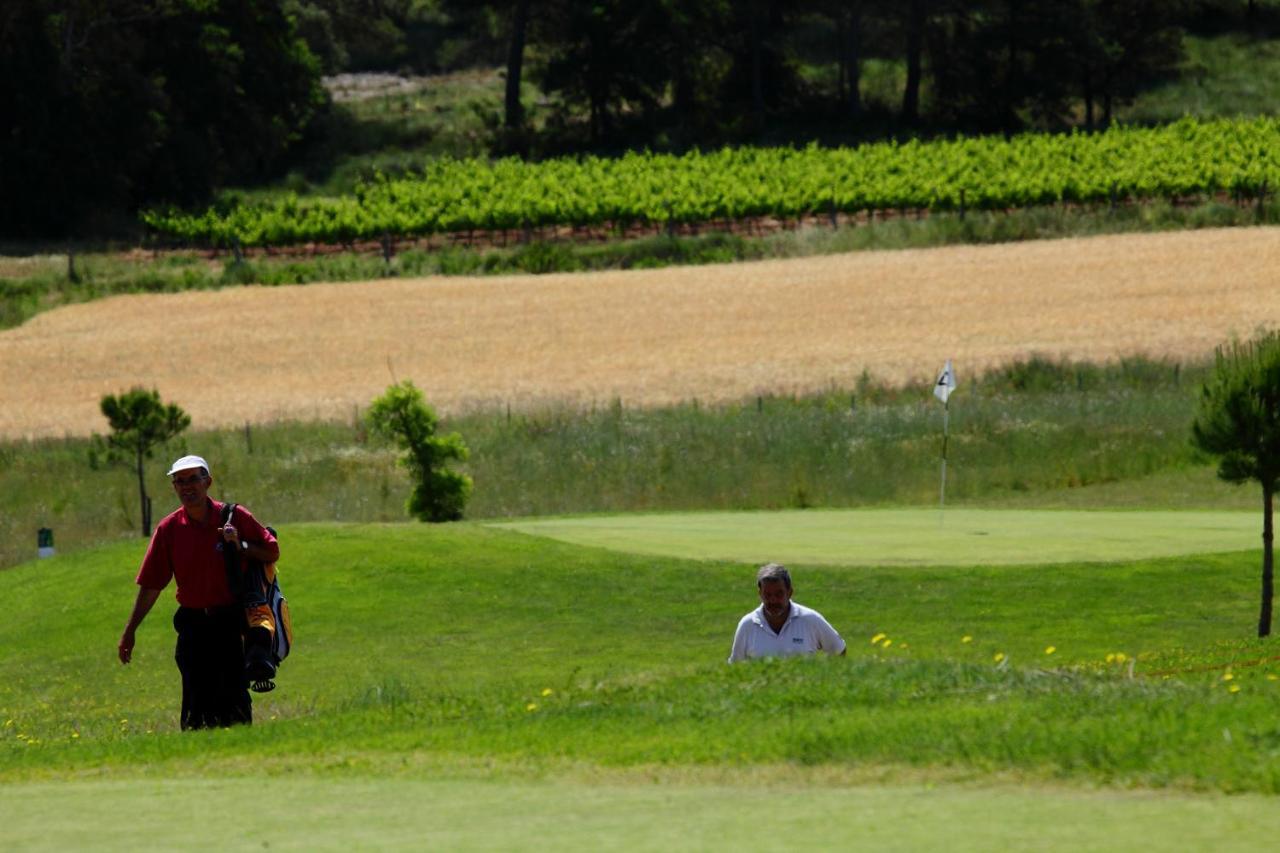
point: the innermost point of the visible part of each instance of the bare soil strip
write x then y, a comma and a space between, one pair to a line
649, 337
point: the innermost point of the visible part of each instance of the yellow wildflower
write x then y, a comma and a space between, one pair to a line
999, 657
887, 643
1050, 650
1235, 688
876, 639
1227, 676
532, 706
546, 691
966, 639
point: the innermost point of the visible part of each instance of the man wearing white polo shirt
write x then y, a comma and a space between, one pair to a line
779, 627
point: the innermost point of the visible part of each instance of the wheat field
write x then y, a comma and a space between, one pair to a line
715, 333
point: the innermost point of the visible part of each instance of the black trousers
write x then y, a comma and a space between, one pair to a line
210, 657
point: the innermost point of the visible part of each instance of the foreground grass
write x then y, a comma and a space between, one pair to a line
646, 813
468, 644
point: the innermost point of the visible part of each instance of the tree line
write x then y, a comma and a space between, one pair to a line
706, 66
113, 105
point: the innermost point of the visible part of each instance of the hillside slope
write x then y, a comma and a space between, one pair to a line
647, 337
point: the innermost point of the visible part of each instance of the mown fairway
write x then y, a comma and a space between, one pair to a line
715, 333
626, 812
467, 687
910, 536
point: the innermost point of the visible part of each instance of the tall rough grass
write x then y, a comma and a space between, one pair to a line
1032, 428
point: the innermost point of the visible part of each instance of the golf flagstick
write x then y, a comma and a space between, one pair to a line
942, 390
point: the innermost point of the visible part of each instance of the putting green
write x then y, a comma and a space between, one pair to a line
911, 536
309, 813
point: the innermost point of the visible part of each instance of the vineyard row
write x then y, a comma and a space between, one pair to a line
1186, 159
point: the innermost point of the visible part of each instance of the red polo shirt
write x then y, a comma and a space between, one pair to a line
191, 554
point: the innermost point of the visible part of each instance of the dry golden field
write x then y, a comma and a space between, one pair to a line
648, 337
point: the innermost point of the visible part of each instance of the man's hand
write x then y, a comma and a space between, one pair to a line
141, 607
230, 534
125, 649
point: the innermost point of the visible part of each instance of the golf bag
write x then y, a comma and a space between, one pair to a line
269, 631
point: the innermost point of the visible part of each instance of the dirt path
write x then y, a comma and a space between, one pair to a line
711, 332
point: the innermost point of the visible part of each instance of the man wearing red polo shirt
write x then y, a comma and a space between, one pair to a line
187, 547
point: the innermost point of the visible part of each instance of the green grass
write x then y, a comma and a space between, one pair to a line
649, 813
910, 536
414, 638
1032, 434
1222, 76
474, 686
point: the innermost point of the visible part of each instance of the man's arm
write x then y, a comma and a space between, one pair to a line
829, 638
141, 607
739, 649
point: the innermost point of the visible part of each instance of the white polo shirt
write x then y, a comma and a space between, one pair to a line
804, 632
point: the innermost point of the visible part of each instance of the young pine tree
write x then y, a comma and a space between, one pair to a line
402, 415
139, 421
1239, 422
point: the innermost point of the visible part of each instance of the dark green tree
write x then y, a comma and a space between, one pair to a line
109, 105
598, 56
1121, 46
139, 422
1239, 422
402, 415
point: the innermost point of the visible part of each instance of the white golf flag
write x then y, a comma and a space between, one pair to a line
946, 383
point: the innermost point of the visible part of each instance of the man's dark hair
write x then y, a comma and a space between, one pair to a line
773, 572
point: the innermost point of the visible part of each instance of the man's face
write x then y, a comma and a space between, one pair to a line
191, 486
776, 598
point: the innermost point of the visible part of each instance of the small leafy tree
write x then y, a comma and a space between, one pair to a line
139, 422
1239, 422
403, 415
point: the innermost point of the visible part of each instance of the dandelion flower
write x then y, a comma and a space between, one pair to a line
875, 641
546, 691
999, 657
75, 735
1226, 676
1235, 688
1121, 657
1050, 650
887, 643
966, 639
532, 706
1271, 676
1111, 657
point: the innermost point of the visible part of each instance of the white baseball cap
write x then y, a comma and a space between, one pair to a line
188, 462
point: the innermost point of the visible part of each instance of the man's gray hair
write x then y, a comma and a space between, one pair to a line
773, 572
